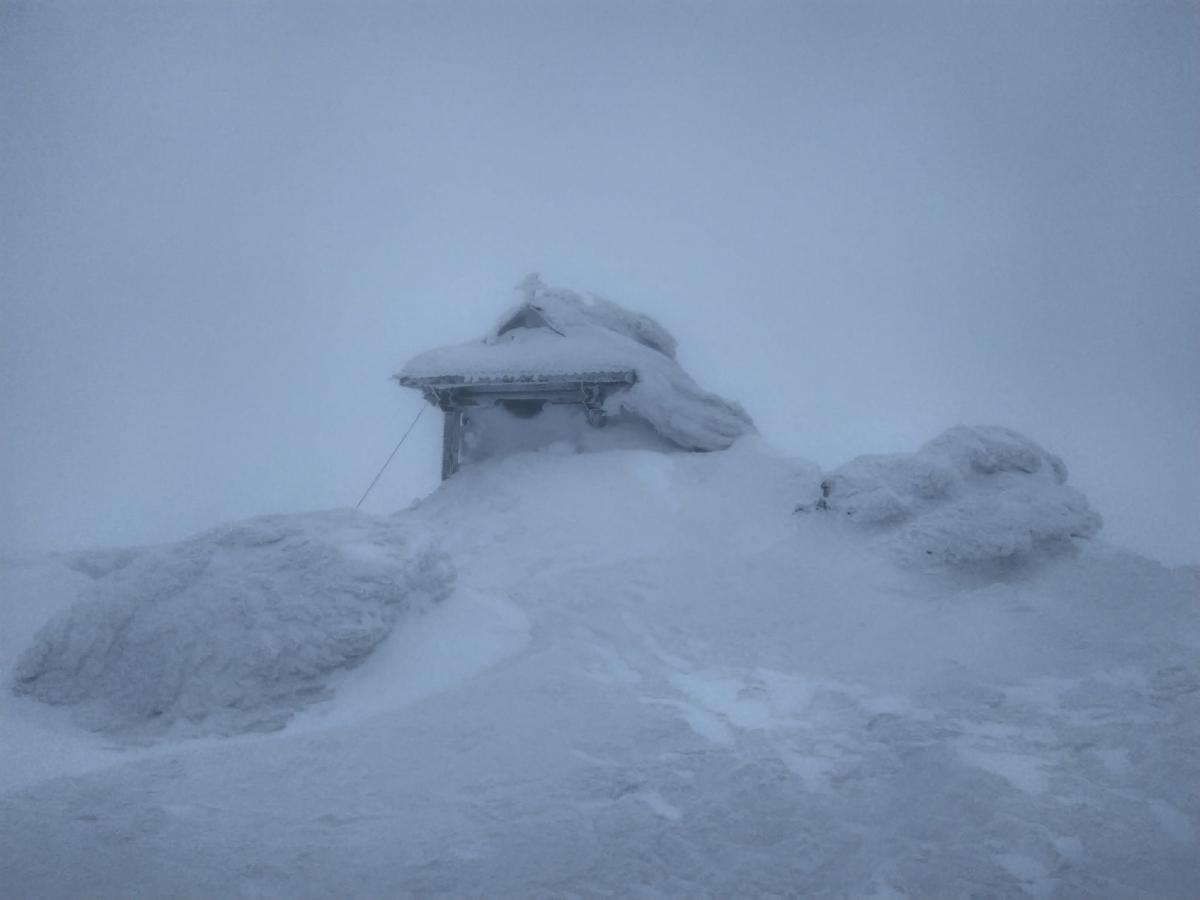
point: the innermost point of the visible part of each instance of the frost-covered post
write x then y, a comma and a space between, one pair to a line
530, 286
451, 442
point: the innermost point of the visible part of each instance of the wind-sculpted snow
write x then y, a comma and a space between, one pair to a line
232, 630
971, 495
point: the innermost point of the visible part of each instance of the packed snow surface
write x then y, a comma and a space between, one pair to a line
654, 677
556, 334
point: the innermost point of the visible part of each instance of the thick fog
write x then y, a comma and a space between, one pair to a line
223, 227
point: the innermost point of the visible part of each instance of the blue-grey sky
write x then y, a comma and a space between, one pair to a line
224, 225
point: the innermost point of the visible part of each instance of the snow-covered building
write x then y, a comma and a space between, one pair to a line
562, 367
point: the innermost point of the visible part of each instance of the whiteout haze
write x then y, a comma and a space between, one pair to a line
634, 671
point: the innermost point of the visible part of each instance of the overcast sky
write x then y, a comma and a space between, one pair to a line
224, 225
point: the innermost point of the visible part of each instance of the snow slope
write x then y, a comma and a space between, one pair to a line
655, 678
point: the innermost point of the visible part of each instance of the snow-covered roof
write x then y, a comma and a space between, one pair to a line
557, 335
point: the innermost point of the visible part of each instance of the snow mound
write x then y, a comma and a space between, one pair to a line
558, 335
973, 494
232, 630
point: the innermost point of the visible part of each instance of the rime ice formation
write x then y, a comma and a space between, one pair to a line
555, 334
970, 495
232, 630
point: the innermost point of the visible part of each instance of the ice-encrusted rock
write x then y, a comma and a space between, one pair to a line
234, 629
972, 494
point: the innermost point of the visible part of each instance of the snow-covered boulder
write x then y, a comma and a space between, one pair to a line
232, 630
972, 494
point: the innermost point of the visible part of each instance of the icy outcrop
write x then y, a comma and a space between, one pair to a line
970, 495
555, 334
232, 630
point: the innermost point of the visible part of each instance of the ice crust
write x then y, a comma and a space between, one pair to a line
558, 334
232, 630
971, 495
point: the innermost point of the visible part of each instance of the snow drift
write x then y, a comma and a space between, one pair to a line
232, 630
971, 495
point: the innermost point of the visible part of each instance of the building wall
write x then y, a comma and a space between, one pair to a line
493, 431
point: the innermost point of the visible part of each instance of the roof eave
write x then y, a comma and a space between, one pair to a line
499, 382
